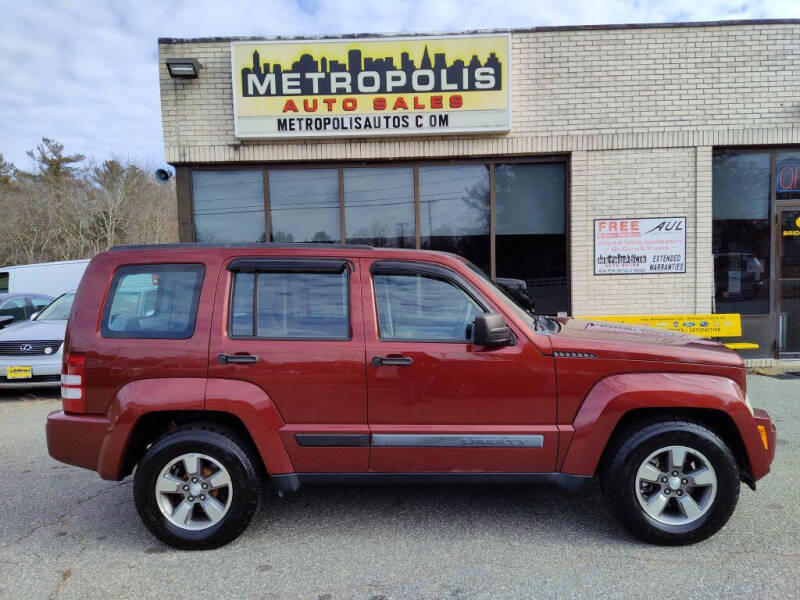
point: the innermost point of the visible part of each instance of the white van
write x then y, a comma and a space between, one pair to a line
51, 278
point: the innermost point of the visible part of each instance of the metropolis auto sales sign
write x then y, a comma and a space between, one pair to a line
629, 246
362, 87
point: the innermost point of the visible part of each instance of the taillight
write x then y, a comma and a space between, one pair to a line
72, 383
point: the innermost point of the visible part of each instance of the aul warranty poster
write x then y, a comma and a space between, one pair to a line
643, 246
378, 86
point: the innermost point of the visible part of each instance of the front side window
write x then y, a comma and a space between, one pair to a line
153, 302
290, 305
58, 309
418, 306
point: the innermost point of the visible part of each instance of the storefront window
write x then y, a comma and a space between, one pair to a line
787, 175
531, 243
379, 206
454, 211
741, 232
228, 206
304, 205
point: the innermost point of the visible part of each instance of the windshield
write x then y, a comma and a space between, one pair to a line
537, 322
58, 309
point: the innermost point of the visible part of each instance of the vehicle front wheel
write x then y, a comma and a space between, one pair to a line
672, 482
197, 487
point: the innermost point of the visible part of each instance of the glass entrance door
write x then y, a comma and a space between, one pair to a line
789, 282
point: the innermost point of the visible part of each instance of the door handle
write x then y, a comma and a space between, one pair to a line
392, 361
236, 358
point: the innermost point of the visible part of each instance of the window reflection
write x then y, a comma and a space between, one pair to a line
531, 241
419, 307
454, 211
228, 206
379, 206
304, 205
741, 232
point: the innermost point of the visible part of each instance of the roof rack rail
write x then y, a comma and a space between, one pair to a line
237, 245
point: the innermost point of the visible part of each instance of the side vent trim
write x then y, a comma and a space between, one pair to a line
559, 354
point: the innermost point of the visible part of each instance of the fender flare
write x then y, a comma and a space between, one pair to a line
245, 401
136, 399
612, 397
253, 407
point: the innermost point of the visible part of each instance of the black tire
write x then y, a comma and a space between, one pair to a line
630, 449
222, 445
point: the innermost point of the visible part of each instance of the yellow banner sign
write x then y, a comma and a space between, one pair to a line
716, 325
361, 87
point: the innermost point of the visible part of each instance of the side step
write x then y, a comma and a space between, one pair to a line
291, 482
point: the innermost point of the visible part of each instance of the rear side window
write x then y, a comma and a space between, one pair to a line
16, 307
290, 305
153, 302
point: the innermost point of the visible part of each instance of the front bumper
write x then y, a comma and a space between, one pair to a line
768, 437
46, 371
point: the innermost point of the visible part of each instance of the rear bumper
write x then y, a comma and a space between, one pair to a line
763, 420
76, 439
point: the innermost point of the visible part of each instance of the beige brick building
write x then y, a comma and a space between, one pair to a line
693, 120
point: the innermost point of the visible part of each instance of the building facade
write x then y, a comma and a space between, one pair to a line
694, 126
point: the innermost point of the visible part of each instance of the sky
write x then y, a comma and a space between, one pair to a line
85, 72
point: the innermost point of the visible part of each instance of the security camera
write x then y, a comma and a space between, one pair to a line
163, 176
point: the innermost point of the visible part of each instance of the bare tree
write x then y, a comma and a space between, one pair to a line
65, 209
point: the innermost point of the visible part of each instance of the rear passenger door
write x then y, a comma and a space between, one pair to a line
293, 327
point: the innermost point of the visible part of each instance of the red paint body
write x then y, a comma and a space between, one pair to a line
331, 387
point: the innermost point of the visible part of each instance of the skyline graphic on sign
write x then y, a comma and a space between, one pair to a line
314, 75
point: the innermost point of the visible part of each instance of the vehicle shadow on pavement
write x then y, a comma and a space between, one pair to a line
533, 512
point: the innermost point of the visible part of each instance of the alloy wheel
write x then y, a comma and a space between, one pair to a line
676, 485
194, 491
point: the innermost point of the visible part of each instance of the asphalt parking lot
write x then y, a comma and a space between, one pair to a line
65, 533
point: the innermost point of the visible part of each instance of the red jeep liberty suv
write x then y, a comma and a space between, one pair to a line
205, 369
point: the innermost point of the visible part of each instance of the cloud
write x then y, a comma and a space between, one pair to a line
85, 72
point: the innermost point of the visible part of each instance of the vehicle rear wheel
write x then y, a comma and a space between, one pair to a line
672, 482
197, 487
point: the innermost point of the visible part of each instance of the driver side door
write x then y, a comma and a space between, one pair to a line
437, 402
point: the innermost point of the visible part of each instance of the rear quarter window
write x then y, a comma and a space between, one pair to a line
153, 302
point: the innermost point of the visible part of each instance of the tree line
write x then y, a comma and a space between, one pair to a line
67, 208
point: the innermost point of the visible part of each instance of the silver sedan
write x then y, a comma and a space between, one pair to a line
30, 351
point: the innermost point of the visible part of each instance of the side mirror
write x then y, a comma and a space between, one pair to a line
6, 320
34, 315
491, 330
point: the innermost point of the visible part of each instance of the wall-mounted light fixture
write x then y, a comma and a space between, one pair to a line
183, 68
